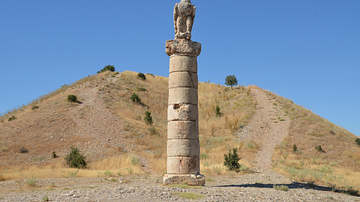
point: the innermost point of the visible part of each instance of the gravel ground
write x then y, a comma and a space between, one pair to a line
253, 187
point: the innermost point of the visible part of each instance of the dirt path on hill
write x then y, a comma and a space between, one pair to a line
92, 116
269, 126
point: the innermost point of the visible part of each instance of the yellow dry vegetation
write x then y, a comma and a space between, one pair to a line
111, 166
49, 128
338, 164
217, 134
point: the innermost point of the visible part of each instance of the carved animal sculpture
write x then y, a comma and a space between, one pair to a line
184, 14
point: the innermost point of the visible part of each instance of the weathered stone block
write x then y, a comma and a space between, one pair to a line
183, 165
182, 112
183, 147
179, 63
183, 130
182, 47
191, 179
183, 79
183, 95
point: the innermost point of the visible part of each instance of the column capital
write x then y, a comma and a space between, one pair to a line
183, 47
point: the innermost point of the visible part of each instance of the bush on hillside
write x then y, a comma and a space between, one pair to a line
319, 149
148, 119
142, 76
232, 160
12, 118
35, 107
74, 159
107, 68
295, 149
54, 155
357, 141
217, 111
135, 98
72, 98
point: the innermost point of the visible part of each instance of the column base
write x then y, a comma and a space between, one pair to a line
189, 179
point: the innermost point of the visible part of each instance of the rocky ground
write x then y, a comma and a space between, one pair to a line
269, 125
253, 187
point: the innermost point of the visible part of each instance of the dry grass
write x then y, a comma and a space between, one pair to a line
117, 165
49, 128
307, 131
217, 134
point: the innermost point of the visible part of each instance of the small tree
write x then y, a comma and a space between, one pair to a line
74, 159
231, 80
54, 155
72, 98
142, 76
295, 148
148, 119
357, 141
12, 118
232, 160
135, 98
107, 68
319, 149
217, 110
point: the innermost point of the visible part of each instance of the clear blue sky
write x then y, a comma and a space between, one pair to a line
307, 51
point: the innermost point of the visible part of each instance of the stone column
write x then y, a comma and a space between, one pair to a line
183, 148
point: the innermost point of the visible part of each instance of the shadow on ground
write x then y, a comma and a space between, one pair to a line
293, 185
296, 185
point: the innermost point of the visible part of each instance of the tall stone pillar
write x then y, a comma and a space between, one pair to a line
183, 148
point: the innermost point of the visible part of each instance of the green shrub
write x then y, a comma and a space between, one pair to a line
135, 98
357, 141
295, 148
319, 149
217, 110
148, 119
74, 159
232, 160
54, 155
107, 68
12, 118
72, 98
35, 107
142, 76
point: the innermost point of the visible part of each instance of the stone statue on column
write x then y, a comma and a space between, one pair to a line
183, 147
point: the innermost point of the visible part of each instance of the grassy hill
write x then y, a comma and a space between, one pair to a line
109, 128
